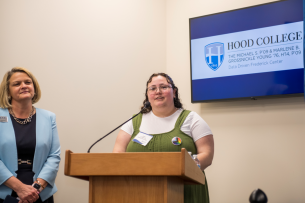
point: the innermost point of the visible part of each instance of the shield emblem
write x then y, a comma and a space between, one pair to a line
214, 55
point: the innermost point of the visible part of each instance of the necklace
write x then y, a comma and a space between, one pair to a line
27, 120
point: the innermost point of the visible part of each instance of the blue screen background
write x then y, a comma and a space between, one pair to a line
250, 85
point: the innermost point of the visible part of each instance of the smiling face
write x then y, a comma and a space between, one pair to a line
160, 98
21, 88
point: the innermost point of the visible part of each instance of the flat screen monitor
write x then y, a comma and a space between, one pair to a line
248, 53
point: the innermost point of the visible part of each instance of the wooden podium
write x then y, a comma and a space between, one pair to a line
145, 177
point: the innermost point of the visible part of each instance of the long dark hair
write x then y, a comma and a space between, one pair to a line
177, 102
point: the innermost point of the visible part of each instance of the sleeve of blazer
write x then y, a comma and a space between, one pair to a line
7, 152
4, 173
50, 167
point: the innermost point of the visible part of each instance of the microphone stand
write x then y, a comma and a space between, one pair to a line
145, 106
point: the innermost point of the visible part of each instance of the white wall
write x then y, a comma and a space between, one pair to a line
258, 144
92, 59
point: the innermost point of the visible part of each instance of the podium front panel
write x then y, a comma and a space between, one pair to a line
135, 189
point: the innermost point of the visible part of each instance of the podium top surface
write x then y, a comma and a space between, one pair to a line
83, 165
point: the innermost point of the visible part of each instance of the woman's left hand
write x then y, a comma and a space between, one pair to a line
42, 182
205, 151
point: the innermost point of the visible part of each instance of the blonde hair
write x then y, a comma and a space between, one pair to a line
5, 101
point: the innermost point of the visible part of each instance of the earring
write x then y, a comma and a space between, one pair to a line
9, 97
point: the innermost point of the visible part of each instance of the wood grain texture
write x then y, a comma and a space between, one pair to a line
183, 150
174, 190
128, 189
91, 195
179, 164
125, 164
191, 171
68, 166
67, 162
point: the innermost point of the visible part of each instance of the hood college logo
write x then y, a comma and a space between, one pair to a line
214, 55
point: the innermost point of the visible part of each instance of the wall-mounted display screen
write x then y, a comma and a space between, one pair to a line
250, 52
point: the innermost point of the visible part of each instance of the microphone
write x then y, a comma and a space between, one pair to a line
146, 105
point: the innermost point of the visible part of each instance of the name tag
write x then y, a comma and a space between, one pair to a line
3, 119
142, 138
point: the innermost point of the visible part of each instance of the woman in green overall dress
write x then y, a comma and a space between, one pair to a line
167, 122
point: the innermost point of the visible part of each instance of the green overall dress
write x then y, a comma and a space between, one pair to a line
163, 143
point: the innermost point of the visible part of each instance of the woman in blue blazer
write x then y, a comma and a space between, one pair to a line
29, 143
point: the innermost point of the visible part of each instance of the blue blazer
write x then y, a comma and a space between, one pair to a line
47, 152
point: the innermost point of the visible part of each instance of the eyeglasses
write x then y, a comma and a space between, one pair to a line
163, 88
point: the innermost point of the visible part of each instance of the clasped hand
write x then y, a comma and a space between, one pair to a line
27, 194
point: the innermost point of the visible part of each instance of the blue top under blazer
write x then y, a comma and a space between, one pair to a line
46, 157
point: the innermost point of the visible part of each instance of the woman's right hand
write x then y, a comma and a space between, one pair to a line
27, 193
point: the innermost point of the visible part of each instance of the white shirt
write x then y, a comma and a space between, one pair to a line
194, 126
